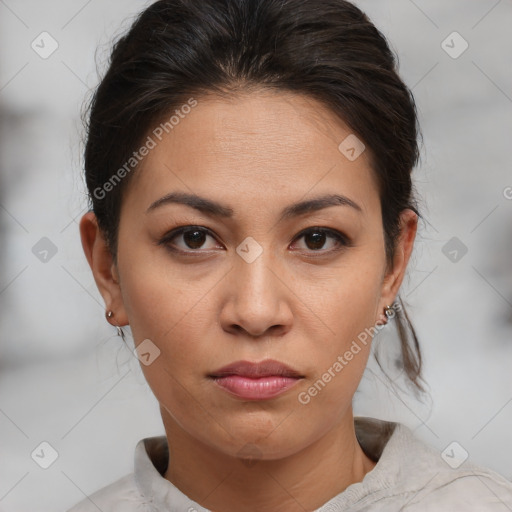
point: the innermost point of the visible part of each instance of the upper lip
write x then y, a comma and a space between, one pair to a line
266, 368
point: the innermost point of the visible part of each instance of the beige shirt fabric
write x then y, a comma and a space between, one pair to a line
409, 476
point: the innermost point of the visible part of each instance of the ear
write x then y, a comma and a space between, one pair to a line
394, 277
103, 267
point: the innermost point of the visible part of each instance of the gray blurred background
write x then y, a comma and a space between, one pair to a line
67, 380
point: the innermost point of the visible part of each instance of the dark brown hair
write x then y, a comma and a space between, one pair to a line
325, 49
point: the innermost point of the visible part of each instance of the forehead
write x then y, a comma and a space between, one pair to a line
270, 144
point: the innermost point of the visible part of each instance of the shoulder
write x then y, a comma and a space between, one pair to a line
434, 485
120, 496
468, 490
413, 476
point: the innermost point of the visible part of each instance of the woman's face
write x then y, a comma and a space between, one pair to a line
259, 277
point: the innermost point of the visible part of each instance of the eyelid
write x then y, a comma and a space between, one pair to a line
179, 230
343, 240
330, 231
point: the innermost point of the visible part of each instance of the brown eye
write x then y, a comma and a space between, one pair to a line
316, 238
192, 239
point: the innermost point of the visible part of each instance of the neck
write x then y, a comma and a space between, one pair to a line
300, 482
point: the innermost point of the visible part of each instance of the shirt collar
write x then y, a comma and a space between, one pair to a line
151, 459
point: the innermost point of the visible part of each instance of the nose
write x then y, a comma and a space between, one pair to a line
256, 299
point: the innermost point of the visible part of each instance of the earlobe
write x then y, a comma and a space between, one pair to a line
405, 244
102, 265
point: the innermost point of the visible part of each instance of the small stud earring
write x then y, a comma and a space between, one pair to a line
109, 314
389, 311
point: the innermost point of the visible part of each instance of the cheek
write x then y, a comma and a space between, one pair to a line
167, 306
174, 320
347, 304
156, 296
346, 300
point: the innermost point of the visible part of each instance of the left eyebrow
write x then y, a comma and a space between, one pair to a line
215, 209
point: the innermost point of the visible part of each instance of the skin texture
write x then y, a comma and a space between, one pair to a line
302, 301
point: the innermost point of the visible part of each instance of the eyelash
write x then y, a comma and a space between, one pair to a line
342, 240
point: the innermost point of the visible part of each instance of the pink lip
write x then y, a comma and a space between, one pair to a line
256, 381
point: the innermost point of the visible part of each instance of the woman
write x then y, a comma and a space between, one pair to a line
252, 217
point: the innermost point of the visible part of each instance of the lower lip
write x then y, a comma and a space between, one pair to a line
255, 389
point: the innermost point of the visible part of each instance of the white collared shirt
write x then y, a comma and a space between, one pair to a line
409, 476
